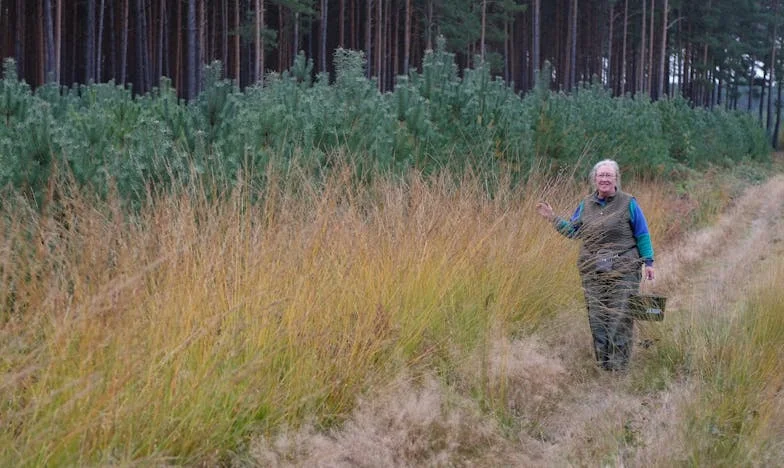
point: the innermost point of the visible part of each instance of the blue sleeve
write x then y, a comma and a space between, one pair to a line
570, 228
641, 234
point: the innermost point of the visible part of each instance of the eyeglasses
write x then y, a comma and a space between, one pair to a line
605, 175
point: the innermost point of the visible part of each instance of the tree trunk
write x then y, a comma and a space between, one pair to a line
355, 35
162, 29
705, 61
112, 43
201, 42
482, 33
19, 42
167, 69
560, 29
283, 45
610, 47
430, 20
751, 85
394, 51
649, 74
368, 36
407, 38
225, 35
50, 73
323, 64
149, 43
142, 62
58, 39
689, 70
623, 49
681, 57
719, 89
237, 41
762, 94
772, 66
507, 57
124, 42
296, 37
640, 81
257, 42
662, 76
190, 70
142, 56
573, 47
342, 24
178, 68
213, 34
536, 41
778, 118
75, 58
99, 43
390, 46
379, 36
89, 47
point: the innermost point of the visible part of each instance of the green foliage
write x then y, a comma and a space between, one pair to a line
710, 136
437, 118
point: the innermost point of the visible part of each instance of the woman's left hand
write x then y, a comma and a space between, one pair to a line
649, 275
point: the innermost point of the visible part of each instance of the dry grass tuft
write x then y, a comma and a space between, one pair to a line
409, 423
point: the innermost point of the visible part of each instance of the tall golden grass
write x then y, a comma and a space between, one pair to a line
176, 333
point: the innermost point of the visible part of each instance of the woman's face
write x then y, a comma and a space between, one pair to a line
605, 180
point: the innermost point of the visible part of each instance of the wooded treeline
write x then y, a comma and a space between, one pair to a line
709, 47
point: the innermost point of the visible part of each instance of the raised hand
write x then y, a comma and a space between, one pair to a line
545, 210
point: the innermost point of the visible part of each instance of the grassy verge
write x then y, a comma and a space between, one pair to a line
174, 334
735, 419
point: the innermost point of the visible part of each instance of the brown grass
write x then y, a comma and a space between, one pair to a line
181, 329
411, 322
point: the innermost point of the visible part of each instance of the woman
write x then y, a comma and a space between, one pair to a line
615, 243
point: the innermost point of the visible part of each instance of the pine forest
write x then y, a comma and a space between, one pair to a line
306, 232
703, 50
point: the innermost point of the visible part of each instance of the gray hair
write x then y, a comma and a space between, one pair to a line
607, 162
